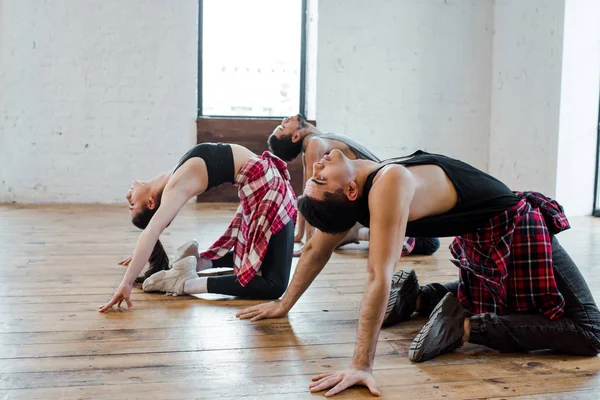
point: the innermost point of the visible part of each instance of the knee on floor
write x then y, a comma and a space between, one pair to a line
426, 246
592, 345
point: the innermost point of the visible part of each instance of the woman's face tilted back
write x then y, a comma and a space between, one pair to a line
138, 197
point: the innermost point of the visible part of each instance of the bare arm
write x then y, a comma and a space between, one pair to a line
314, 257
171, 202
301, 221
389, 203
173, 198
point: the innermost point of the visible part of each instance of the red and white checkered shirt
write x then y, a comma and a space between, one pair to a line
409, 245
506, 266
267, 204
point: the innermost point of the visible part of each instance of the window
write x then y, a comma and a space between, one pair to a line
251, 61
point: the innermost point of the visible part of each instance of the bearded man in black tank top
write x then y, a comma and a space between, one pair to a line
518, 289
295, 137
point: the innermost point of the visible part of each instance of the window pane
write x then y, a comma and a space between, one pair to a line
251, 57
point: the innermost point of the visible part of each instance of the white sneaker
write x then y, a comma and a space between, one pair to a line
186, 250
173, 280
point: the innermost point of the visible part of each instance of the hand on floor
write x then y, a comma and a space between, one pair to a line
126, 261
122, 293
273, 309
342, 380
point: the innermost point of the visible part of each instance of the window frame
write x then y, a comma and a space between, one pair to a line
596, 207
302, 97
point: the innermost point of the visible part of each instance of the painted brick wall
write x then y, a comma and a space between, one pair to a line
526, 87
410, 74
93, 94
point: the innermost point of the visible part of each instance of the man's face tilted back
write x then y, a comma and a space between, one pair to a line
286, 141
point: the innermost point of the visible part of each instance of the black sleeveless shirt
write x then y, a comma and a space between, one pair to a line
218, 158
480, 197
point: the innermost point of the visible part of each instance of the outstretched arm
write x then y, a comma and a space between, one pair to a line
300, 221
172, 201
315, 255
389, 203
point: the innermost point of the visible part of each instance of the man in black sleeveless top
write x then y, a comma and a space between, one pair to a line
518, 290
294, 137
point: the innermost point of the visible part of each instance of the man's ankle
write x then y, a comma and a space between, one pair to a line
467, 327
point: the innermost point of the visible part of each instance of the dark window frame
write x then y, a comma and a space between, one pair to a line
596, 212
302, 98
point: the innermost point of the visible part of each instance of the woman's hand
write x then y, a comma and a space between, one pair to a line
123, 292
126, 261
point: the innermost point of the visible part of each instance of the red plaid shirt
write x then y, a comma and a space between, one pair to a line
506, 266
409, 245
267, 204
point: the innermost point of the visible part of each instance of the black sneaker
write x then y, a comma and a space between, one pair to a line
443, 332
403, 297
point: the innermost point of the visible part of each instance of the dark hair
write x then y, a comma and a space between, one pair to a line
283, 147
159, 260
334, 214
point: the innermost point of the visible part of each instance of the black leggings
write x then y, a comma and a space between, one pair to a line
275, 270
577, 332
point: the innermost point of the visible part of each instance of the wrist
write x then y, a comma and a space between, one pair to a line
284, 305
127, 283
362, 366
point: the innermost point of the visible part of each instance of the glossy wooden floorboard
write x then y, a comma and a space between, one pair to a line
59, 263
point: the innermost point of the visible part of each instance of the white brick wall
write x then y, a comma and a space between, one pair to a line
96, 93
93, 94
403, 75
480, 80
526, 93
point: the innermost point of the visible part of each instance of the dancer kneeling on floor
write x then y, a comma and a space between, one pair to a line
518, 289
261, 233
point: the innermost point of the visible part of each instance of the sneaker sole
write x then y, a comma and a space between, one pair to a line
397, 280
415, 353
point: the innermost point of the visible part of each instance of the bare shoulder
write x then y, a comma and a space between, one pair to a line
390, 184
315, 148
390, 176
191, 177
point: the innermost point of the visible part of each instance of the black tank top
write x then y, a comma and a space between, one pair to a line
480, 197
361, 152
219, 162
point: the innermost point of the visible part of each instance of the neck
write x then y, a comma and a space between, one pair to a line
310, 129
363, 169
158, 184
307, 131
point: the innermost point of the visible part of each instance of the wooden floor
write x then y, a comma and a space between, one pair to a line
59, 263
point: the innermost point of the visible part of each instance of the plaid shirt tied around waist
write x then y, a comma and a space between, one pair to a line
267, 204
408, 246
506, 266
